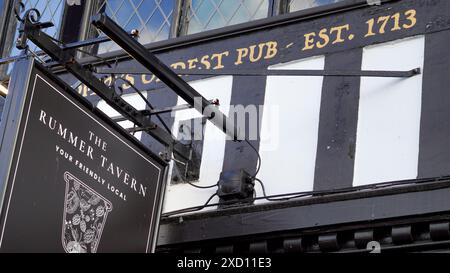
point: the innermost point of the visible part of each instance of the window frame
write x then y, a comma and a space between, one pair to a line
88, 33
284, 6
179, 25
277, 15
273, 10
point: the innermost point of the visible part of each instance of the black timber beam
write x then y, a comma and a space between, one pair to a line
312, 213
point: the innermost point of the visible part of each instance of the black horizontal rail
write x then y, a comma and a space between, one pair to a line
94, 41
69, 46
12, 59
157, 112
283, 72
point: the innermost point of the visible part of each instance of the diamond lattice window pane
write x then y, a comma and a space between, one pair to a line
295, 5
51, 11
211, 14
152, 18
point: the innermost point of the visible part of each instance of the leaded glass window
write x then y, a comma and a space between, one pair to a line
211, 14
153, 18
295, 5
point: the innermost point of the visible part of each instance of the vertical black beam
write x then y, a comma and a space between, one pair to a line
177, 20
338, 123
71, 22
282, 6
183, 26
434, 152
246, 91
272, 10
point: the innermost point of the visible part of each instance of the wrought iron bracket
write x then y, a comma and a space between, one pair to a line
32, 30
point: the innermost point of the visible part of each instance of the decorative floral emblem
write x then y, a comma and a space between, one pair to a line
85, 215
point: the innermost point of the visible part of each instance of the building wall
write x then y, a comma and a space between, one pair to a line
316, 133
331, 131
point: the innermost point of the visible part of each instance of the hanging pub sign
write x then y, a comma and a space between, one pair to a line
72, 181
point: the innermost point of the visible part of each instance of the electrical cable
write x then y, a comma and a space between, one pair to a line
192, 184
258, 168
194, 209
167, 128
274, 199
254, 177
210, 198
217, 184
296, 195
201, 187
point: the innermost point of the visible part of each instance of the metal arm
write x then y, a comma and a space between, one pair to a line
165, 74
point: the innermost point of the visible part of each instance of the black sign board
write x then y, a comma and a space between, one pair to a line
75, 182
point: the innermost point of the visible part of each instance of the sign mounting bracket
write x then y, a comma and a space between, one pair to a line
31, 29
